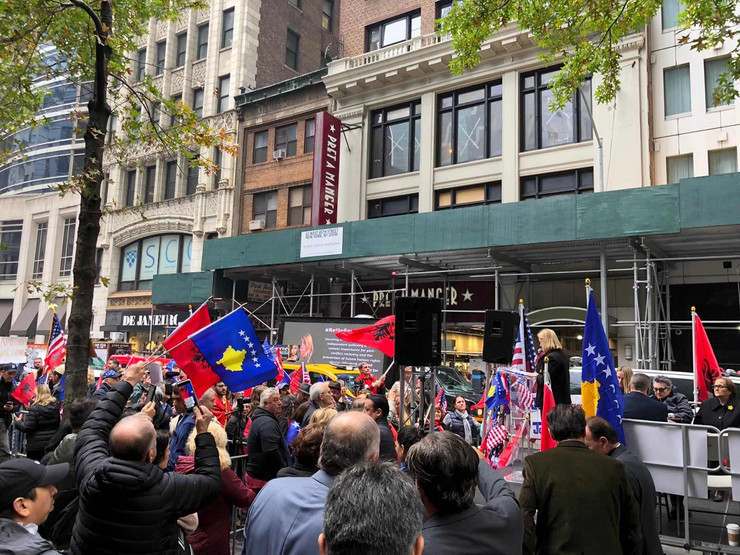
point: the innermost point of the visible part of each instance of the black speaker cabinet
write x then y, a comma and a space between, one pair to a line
418, 331
500, 335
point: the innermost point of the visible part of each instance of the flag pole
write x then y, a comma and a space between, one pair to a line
588, 291
48, 341
693, 353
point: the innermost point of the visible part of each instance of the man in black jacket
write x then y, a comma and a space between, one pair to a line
446, 470
376, 406
127, 504
637, 404
602, 438
266, 445
8, 406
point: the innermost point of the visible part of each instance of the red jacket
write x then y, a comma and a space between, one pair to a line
212, 535
220, 408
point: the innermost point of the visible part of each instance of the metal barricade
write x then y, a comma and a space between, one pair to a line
239, 466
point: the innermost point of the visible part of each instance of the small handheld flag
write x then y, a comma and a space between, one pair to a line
233, 351
441, 399
26, 390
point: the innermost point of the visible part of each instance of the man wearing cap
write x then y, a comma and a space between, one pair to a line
335, 388
26, 498
304, 393
55, 381
8, 406
283, 388
110, 378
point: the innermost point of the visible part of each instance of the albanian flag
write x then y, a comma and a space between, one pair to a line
707, 369
26, 390
381, 336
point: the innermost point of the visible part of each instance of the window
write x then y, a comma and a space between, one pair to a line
68, 247
98, 265
677, 90
299, 205
265, 208
10, 237
150, 177
193, 171
171, 182
670, 11
176, 99
391, 31
309, 136
161, 254
286, 138
327, 10
486, 193
394, 139
291, 50
112, 128
198, 102
130, 188
393, 206
217, 158
712, 70
104, 188
224, 83
182, 45
202, 50
722, 161
680, 167
259, 149
141, 64
161, 53
561, 183
156, 113
442, 8
38, 257
227, 29
469, 124
543, 128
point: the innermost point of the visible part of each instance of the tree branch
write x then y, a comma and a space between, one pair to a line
94, 16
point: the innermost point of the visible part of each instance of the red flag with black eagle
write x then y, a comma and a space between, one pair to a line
707, 368
26, 390
381, 335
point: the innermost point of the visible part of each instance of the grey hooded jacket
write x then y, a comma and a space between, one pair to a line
16, 540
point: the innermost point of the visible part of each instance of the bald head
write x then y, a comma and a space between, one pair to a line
134, 439
208, 399
351, 437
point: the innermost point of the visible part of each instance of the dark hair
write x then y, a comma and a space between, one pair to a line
347, 444
9, 512
306, 446
381, 498
163, 440
665, 380
730, 385
601, 428
288, 406
80, 410
446, 470
379, 402
640, 382
130, 411
254, 399
408, 436
300, 411
566, 422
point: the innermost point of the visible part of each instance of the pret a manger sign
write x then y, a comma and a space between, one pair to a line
325, 170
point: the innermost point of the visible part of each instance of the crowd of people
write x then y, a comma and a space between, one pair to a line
330, 468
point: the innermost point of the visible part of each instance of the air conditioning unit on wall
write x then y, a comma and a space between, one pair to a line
256, 225
278, 154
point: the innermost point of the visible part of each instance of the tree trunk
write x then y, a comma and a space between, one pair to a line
88, 228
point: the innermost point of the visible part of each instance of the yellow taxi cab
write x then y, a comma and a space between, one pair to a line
327, 372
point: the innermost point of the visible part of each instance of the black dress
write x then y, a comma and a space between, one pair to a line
559, 371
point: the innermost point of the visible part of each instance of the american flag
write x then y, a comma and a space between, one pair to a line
306, 378
524, 397
524, 352
497, 435
441, 399
57, 347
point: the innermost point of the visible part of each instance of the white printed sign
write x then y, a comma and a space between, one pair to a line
321, 242
13, 349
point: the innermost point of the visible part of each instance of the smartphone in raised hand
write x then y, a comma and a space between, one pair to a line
187, 393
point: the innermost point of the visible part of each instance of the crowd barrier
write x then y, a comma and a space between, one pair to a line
686, 461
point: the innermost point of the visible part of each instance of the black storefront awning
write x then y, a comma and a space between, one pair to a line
6, 309
25, 324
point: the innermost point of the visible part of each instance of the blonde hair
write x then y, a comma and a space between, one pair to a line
43, 396
627, 379
548, 340
322, 417
219, 434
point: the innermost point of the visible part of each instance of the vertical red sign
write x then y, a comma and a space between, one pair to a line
325, 170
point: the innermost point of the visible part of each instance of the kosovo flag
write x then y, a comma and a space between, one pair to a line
497, 394
601, 395
232, 350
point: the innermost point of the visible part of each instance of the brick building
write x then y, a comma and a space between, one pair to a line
276, 133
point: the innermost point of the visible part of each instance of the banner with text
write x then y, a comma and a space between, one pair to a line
325, 170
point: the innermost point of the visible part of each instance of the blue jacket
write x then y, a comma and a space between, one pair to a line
179, 438
287, 516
